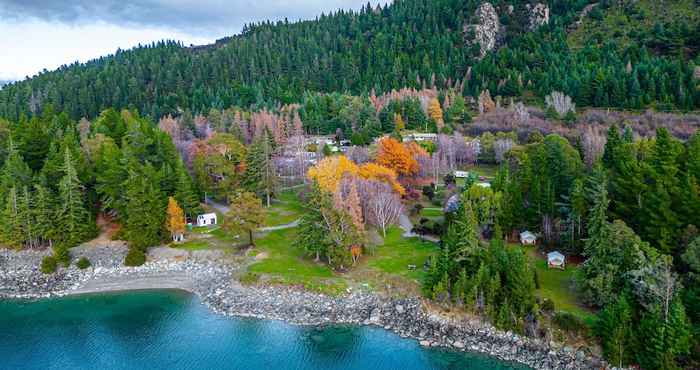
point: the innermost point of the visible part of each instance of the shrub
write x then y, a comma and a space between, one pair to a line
428, 192
568, 322
417, 209
249, 278
547, 305
62, 255
135, 257
48, 265
83, 263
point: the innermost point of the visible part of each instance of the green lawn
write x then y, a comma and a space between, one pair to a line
397, 252
285, 209
289, 265
431, 212
557, 285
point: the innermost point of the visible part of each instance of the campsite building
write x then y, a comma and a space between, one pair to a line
556, 260
206, 219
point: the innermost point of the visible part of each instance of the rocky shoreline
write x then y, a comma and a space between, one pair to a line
212, 282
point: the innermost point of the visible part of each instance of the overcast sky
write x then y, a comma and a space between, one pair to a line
44, 34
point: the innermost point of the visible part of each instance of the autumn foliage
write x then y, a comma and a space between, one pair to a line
330, 171
373, 171
176, 218
394, 155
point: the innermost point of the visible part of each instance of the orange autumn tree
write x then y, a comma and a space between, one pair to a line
176, 219
373, 171
435, 113
415, 149
330, 171
392, 154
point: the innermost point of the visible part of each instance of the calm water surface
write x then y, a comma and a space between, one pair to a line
172, 330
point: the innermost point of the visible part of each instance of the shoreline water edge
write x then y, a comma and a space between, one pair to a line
212, 282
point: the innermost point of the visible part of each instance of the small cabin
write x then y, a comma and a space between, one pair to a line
527, 238
461, 174
178, 237
556, 260
206, 219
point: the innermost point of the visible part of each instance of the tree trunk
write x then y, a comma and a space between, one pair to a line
250, 237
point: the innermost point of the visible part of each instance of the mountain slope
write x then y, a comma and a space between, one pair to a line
406, 44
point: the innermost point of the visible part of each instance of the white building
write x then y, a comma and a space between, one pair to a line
556, 260
206, 219
178, 237
461, 174
527, 238
419, 136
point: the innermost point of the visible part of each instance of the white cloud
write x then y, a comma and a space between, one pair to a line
31, 46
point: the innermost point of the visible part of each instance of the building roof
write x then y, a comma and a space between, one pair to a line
555, 256
207, 215
527, 235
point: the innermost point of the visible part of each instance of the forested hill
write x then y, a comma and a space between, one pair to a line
406, 44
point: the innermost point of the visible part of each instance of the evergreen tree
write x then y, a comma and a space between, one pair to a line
44, 211
74, 222
260, 175
184, 191
145, 209
615, 328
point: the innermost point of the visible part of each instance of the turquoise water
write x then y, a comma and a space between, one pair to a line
172, 330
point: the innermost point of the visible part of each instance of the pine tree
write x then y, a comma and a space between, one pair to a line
145, 209
44, 211
260, 177
74, 223
15, 172
311, 235
184, 192
245, 214
11, 228
615, 328
611, 145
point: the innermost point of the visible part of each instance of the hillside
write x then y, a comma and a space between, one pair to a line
410, 43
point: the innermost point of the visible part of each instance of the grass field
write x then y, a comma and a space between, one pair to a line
397, 253
288, 265
557, 285
285, 209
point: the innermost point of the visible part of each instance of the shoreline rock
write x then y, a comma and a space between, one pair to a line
212, 283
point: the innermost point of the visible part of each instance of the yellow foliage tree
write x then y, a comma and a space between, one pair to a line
373, 171
398, 122
330, 171
391, 154
176, 218
435, 112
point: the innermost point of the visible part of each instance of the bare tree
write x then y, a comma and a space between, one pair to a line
561, 103
359, 154
381, 206
593, 143
501, 147
655, 284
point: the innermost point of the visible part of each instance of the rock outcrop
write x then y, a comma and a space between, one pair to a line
538, 15
486, 31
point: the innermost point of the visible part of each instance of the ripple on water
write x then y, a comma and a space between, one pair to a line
171, 330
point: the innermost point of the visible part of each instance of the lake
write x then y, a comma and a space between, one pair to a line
172, 330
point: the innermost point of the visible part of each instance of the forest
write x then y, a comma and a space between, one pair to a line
408, 43
148, 138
